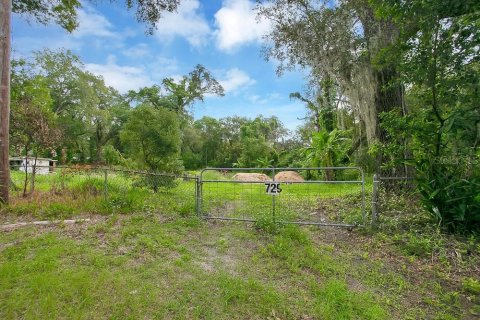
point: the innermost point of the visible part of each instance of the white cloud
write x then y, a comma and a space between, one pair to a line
186, 23
91, 23
235, 80
237, 25
141, 50
122, 78
164, 67
94, 31
256, 99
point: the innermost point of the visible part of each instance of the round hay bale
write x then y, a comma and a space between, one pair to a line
251, 177
289, 176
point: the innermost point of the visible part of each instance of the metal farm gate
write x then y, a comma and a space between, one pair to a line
330, 196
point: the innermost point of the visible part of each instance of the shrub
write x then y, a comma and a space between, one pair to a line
451, 197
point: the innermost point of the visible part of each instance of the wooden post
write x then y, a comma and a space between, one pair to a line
5, 14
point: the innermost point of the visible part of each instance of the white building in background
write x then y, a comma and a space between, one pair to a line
43, 165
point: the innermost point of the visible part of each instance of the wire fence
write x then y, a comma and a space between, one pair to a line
99, 189
317, 196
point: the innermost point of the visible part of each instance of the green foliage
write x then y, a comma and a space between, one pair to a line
471, 285
267, 225
210, 148
234, 141
88, 112
258, 139
321, 112
452, 200
124, 203
91, 186
58, 211
448, 185
418, 245
34, 125
336, 301
112, 156
179, 94
63, 13
252, 149
327, 150
436, 53
195, 86
152, 136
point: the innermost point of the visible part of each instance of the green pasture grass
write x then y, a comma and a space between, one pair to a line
66, 194
140, 268
154, 266
148, 256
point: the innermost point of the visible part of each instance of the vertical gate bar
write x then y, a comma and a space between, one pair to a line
196, 197
200, 199
273, 196
217, 201
235, 211
374, 199
199, 195
250, 202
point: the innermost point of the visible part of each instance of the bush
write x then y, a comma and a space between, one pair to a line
112, 156
451, 197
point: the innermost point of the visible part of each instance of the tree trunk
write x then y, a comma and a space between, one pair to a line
99, 143
5, 13
356, 144
387, 97
34, 172
388, 94
63, 155
26, 172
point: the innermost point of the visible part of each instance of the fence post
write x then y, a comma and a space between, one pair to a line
364, 220
198, 195
375, 199
105, 186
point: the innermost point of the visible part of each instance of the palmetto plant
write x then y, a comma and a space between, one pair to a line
326, 148
265, 162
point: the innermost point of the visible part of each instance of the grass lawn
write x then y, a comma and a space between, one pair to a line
151, 258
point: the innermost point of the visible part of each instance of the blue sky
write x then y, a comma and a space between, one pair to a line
222, 35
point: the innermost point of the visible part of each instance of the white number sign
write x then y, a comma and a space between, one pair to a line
273, 188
